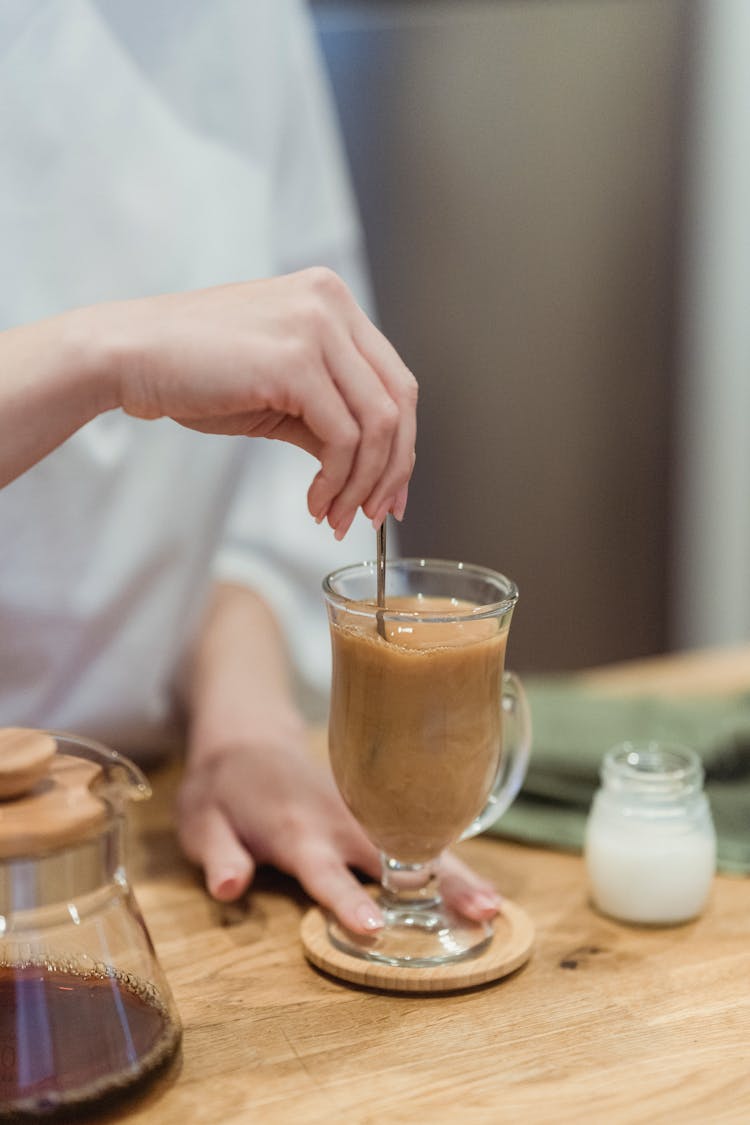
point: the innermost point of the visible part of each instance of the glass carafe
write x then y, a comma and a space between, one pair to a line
85, 1010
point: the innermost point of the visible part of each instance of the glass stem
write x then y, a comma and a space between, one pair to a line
409, 885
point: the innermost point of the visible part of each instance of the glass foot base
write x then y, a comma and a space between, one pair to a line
415, 937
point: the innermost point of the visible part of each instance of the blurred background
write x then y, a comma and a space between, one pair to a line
555, 197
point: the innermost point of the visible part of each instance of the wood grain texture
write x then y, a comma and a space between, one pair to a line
607, 1023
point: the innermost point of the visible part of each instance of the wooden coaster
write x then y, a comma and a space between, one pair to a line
509, 949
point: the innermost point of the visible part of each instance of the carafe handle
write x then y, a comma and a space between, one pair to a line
514, 759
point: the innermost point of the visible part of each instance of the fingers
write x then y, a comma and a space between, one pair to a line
326, 414
466, 892
366, 451
390, 492
378, 418
209, 840
380, 394
293, 358
326, 879
399, 504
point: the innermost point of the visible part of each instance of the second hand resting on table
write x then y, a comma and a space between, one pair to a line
292, 358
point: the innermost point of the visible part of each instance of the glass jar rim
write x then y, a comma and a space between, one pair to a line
654, 767
505, 587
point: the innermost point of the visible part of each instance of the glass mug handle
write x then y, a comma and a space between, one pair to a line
514, 759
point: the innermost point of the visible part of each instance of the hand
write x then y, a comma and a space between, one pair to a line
247, 806
292, 358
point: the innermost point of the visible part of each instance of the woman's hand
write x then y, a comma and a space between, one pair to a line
267, 804
292, 358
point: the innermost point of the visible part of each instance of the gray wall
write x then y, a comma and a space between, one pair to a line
517, 167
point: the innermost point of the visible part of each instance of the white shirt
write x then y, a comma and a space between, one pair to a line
150, 147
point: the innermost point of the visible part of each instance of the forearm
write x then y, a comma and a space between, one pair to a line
238, 683
53, 379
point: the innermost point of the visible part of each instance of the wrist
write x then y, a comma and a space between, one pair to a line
90, 356
274, 732
53, 382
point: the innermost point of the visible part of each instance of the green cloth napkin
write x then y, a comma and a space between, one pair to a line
573, 727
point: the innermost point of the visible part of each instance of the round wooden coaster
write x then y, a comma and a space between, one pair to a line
509, 949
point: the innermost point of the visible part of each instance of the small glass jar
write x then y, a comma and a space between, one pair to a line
650, 842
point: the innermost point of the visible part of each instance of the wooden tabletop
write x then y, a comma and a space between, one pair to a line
606, 1023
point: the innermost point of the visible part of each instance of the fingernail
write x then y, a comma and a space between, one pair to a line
226, 886
381, 515
488, 900
343, 527
399, 506
369, 916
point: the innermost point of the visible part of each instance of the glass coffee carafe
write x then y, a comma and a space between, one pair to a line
85, 1010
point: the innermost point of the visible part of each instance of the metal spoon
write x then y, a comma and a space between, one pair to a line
381, 579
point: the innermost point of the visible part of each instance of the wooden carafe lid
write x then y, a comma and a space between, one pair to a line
46, 800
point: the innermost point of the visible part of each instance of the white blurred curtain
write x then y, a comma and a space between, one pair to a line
712, 545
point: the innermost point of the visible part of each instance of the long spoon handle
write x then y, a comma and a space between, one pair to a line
381, 577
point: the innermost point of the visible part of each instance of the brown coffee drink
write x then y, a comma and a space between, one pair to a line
415, 725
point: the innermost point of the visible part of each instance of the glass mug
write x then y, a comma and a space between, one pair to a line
429, 737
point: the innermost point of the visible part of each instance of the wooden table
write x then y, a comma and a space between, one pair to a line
606, 1023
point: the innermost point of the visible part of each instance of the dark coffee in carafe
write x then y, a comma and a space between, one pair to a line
70, 1041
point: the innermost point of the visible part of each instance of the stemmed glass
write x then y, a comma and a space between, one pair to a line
429, 737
